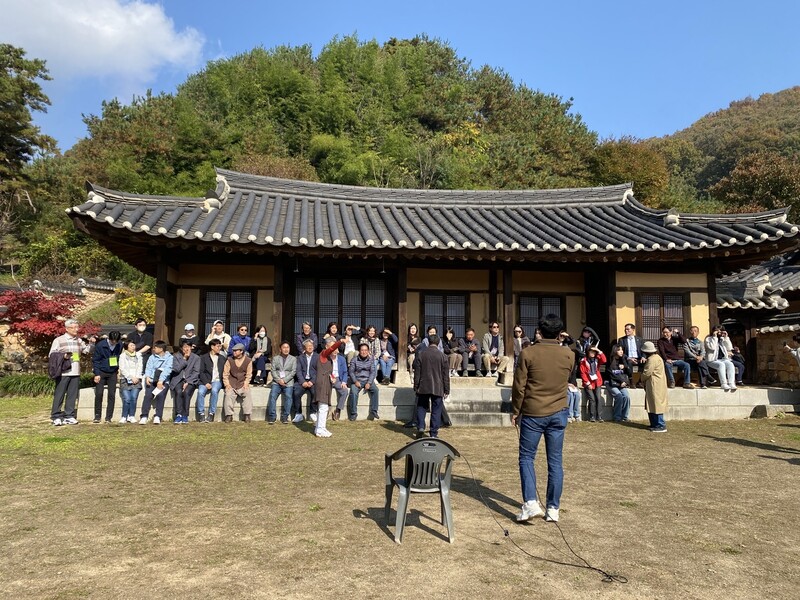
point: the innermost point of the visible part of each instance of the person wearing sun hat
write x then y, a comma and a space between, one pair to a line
189, 336
655, 388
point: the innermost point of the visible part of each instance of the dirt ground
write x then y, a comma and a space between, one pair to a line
707, 510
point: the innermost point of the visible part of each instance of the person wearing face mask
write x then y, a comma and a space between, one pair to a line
143, 339
105, 366
260, 351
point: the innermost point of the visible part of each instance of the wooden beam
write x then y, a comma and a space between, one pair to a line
711, 284
278, 326
160, 328
611, 299
508, 311
492, 295
402, 317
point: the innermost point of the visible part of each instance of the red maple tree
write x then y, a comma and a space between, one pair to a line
38, 319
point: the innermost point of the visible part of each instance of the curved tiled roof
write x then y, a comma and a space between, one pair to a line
761, 285
279, 213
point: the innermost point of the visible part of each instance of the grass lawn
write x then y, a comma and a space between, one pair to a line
707, 510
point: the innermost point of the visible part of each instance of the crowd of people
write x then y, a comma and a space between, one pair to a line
355, 362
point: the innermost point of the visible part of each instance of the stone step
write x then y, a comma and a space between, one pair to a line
490, 405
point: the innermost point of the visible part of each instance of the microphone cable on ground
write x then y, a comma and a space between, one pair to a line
607, 577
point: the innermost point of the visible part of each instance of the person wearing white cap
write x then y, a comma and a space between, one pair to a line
655, 388
189, 336
218, 333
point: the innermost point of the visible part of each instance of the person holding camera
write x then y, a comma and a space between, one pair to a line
718, 356
793, 351
668, 350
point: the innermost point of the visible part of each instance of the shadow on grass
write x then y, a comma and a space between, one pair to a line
475, 489
752, 444
396, 427
633, 425
791, 461
788, 425
414, 518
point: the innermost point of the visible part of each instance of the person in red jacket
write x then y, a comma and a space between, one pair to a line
593, 381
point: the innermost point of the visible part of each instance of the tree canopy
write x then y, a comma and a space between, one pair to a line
404, 113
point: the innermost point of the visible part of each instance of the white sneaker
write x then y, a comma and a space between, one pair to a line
143, 421
530, 510
494, 373
314, 417
323, 433
123, 420
455, 374
70, 421
156, 421
725, 388
488, 374
131, 419
57, 422
298, 418
551, 516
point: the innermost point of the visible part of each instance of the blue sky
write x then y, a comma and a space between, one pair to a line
632, 68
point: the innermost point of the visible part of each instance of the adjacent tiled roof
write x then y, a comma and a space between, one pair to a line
761, 285
98, 284
248, 210
780, 323
57, 288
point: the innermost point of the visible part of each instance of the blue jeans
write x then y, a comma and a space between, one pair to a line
531, 430
352, 408
297, 395
622, 402
435, 403
200, 405
288, 399
683, 366
657, 420
386, 367
129, 397
574, 404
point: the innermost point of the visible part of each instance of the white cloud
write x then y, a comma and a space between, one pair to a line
125, 40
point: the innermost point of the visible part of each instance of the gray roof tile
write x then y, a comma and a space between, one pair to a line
266, 211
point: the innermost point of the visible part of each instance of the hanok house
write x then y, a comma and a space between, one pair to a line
261, 250
760, 305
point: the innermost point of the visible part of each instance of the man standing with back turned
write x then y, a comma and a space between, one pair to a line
539, 399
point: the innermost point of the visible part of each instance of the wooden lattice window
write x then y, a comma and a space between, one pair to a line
655, 310
443, 310
232, 307
533, 307
354, 301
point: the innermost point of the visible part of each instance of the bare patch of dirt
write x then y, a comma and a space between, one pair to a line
228, 511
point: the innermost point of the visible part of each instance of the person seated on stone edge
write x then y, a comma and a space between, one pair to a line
470, 351
305, 334
668, 350
362, 373
494, 353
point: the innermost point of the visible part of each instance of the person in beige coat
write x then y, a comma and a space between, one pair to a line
655, 388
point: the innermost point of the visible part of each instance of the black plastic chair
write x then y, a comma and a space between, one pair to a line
429, 464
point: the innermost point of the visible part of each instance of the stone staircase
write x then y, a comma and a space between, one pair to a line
484, 402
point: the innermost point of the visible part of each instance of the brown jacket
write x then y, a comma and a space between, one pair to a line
540, 379
655, 385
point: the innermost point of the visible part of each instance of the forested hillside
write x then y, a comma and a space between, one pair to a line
405, 113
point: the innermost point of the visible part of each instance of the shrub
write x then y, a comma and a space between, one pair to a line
28, 384
38, 319
134, 304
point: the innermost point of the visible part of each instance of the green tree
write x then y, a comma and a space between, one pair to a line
20, 139
761, 181
628, 159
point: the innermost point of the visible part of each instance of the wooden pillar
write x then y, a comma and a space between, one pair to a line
508, 311
492, 295
160, 328
611, 300
750, 351
711, 284
402, 318
277, 306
